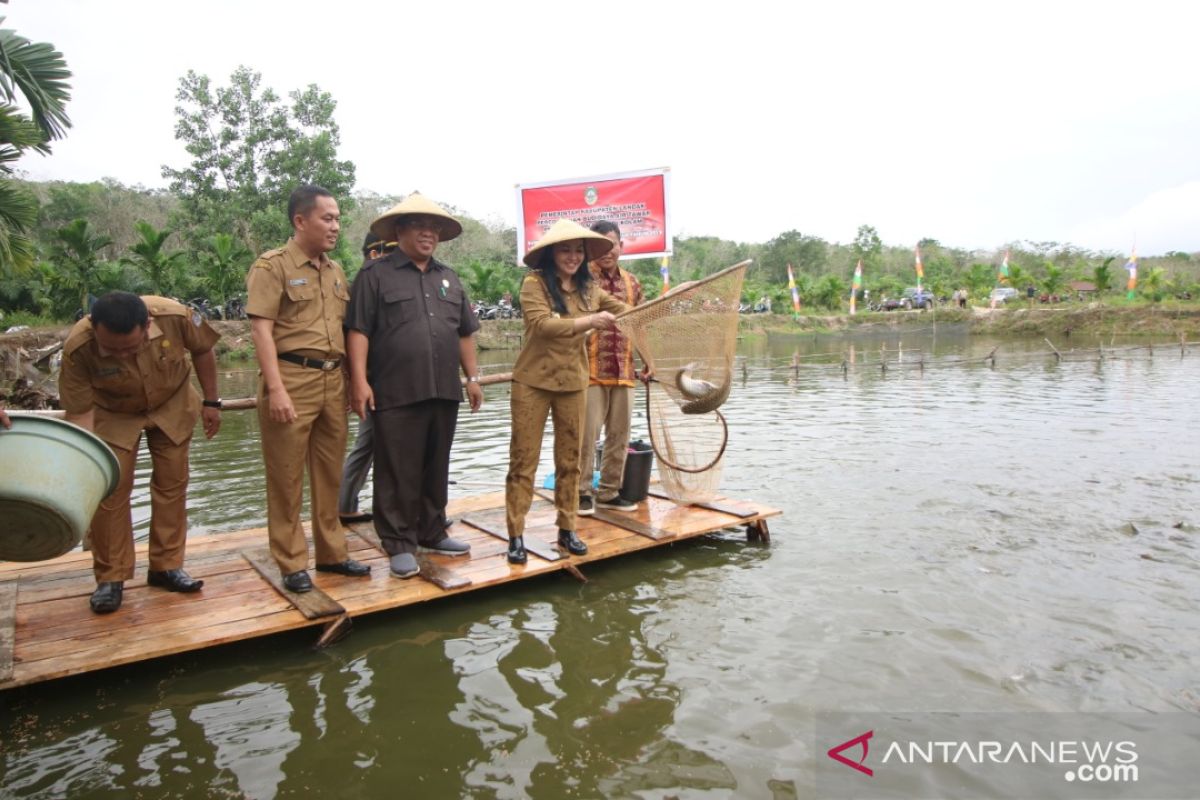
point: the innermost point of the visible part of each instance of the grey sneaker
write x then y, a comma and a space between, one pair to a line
404, 565
586, 509
617, 503
446, 547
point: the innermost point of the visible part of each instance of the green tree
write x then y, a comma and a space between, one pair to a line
76, 257
1053, 282
249, 151
1102, 275
161, 270
1151, 284
806, 254
36, 74
868, 248
828, 292
981, 279
222, 267
488, 281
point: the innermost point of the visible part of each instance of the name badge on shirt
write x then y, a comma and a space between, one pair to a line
298, 282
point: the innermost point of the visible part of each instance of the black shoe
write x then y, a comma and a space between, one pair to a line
348, 567
107, 597
571, 542
617, 503
449, 522
586, 507
298, 582
173, 580
516, 550
356, 516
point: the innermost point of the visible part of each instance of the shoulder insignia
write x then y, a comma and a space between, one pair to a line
196, 320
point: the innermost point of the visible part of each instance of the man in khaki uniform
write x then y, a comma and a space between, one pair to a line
125, 371
296, 300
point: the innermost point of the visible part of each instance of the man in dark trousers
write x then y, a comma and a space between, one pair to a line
409, 329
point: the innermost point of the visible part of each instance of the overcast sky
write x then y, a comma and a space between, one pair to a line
972, 125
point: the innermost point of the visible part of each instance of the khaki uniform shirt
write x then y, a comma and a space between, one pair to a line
554, 357
610, 353
413, 321
152, 389
306, 299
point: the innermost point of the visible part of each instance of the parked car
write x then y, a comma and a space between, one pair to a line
1002, 294
914, 297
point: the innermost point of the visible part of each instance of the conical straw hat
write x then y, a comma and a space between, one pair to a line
416, 203
565, 230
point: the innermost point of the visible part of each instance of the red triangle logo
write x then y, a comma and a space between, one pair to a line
836, 752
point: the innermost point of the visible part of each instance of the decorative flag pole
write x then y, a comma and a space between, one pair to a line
665, 271
856, 287
1131, 265
795, 292
920, 268
1003, 276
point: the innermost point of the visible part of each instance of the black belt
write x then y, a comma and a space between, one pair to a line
312, 363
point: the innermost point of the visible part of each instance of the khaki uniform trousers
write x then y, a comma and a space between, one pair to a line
316, 439
111, 533
608, 407
530, 407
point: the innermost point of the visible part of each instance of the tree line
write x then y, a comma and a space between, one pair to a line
62, 243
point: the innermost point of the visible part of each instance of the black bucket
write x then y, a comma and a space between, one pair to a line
639, 460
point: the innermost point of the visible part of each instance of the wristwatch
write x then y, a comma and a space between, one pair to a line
211, 403
472, 379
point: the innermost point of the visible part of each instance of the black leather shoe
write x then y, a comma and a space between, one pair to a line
571, 542
173, 580
298, 582
348, 567
516, 550
107, 597
356, 516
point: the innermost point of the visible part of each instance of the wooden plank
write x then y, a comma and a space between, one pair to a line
437, 574
621, 519
725, 508
533, 544
8, 625
313, 605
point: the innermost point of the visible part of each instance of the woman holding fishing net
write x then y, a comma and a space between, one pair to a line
560, 305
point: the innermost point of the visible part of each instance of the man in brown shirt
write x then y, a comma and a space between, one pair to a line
410, 330
611, 379
125, 371
296, 301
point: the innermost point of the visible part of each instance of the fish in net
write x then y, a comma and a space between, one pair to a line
689, 336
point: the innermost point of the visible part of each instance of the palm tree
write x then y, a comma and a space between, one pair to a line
35, 74
1052, 284
160, 269
76, 255
1102, 275
221, 270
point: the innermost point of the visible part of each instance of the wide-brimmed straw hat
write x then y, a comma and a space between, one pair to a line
595, 244
384, 225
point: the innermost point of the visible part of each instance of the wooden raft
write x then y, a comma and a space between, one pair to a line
47, 630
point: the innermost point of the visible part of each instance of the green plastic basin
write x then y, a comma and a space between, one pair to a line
53, 476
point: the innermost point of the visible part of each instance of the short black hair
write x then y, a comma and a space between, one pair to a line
304, 199
120, 312
604, 227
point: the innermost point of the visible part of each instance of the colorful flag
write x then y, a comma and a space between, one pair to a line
920, 267
856, 287
795, 292
666, 273
1131, 265
1004, 269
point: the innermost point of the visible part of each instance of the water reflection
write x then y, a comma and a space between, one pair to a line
962, 536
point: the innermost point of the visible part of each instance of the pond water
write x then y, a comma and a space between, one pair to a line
957, 536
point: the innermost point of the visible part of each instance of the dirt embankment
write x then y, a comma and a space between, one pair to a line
1163, 320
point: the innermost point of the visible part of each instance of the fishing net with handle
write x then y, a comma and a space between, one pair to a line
689, 336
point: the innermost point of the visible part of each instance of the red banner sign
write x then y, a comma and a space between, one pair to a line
635, 201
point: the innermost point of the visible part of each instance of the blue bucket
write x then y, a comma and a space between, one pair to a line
53, 476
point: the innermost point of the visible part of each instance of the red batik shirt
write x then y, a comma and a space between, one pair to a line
610, 353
